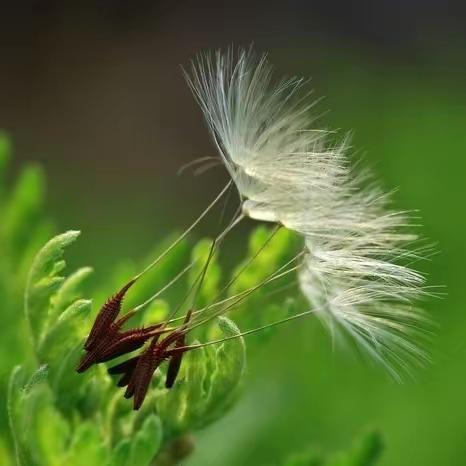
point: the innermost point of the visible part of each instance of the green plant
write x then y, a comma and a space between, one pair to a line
58, 417
23, 229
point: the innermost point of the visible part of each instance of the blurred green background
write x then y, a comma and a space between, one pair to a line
94, 93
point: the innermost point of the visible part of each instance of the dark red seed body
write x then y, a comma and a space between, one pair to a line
125, 379
147, 364
174, 365
92, 357
116, 344
127, 342
128, 373
106, 316
145, 370
143, 363
124, 366
175, 361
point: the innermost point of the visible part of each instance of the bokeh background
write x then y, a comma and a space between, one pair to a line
94, 92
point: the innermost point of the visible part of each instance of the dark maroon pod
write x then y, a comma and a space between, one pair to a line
124, 366
106, 316
127, 342
175, 361
147, 364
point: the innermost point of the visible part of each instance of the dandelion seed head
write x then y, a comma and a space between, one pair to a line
357, 269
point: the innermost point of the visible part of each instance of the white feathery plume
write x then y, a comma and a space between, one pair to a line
263, 136
287, 172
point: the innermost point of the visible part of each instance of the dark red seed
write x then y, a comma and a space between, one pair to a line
126, 342
124, 381
123, 366
130, 367
174, 367
145, 370
114, 343
143, 362
130, 388
175, 361
92, 357
106, 316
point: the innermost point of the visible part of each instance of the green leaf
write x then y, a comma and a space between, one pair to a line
267, 251
120, 454
37, 377
367, 450
87, 446
40, 432
15, 402
22, 210
146, 443
172, 404
208, 383
63, 335
43, 281
70, 291
51, 432
228, 374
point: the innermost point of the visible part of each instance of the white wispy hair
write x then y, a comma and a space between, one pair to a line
287, 172
262, 133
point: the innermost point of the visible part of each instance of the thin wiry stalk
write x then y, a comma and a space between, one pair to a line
186, 232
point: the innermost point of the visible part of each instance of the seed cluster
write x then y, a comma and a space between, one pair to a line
107, 341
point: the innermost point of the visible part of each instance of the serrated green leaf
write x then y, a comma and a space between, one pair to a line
146, 443
230, 367
39, 376
43, 281
64, 334
207, 385
184, 405
69, 292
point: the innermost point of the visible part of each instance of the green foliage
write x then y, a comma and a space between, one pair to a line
22, 231
209, 382
365, 452
57, 417
59, 318
90, 420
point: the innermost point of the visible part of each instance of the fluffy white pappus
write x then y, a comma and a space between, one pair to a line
263, 134
371, 300
357, 271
